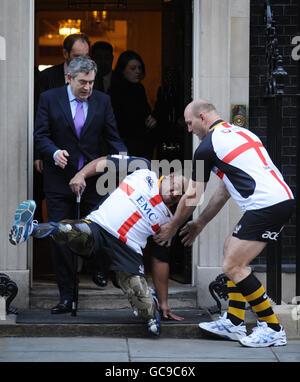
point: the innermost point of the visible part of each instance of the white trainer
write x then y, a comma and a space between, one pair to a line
223, 327
23, 225
264, 336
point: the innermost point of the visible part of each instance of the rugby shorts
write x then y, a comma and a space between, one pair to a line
161, 253
264, 224
116, 255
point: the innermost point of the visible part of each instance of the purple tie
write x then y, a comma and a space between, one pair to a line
79, 122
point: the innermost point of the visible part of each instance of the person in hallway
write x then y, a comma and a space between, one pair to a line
102, 54
249, 176
71, 123
130, 105
117, 230
74, 45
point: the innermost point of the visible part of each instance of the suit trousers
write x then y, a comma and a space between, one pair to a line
60, 207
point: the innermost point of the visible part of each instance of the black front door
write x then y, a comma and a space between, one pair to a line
174, 94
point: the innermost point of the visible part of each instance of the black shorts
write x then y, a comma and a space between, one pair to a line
264, 224
159, 252
116, 255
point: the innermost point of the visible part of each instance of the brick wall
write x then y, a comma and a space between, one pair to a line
287, 16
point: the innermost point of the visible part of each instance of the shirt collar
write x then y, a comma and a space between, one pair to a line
70, 94
215, 124
159, 181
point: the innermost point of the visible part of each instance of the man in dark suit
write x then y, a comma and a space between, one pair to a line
74, 45
72, 123
56, 76
102, 54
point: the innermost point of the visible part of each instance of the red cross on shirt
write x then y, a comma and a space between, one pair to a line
250, 144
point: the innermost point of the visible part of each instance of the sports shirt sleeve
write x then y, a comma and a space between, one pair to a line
129, 164
203, 160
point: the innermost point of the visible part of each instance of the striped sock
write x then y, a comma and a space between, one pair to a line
256, 296
236, 305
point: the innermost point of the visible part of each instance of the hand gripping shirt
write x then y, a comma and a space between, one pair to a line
239, 158
134, 211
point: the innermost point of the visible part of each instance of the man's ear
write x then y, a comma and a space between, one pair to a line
65, 54
170, 176
69, 78
201, 116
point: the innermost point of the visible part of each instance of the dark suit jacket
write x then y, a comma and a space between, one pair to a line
53, 77
54, 129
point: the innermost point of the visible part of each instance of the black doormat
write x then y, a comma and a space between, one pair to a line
122, 316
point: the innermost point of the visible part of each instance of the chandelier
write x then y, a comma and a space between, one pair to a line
67, 27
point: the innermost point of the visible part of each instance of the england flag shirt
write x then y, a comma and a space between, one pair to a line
134, 211
239, 158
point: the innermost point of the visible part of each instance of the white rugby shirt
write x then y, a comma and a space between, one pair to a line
134, 211
239, 158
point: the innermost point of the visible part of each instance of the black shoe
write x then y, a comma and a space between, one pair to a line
63, 307
100, 279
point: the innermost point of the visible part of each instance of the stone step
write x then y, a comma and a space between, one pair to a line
104, 323
91, 297
100, 323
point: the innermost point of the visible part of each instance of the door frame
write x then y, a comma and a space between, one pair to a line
196, 27
196, 32
30, 113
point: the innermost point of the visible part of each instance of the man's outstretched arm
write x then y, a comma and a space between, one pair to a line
192, 228
184, 210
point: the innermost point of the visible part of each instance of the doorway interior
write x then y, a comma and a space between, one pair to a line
161, 32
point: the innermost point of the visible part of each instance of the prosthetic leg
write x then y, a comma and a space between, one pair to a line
75, 233
137, 291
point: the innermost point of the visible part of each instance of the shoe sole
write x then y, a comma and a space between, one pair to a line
23, 215
223, 335
277, 342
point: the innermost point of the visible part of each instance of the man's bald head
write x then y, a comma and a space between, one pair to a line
202, 105
199, 115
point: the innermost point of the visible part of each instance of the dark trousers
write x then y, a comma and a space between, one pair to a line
60, 207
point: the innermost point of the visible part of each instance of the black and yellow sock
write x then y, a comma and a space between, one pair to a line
236, 305
256, 296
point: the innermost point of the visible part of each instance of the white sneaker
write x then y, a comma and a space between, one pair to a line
23, 225
264, 336
223, 327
